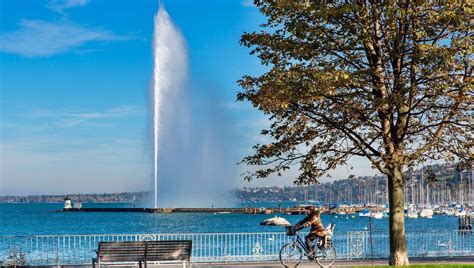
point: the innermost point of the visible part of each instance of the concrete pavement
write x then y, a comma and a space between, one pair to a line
339, 263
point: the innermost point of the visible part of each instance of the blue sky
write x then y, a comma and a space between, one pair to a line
75, 78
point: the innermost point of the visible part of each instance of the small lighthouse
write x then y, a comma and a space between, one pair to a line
67, 202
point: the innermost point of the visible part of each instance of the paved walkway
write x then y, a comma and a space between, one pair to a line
339, 263
343, 263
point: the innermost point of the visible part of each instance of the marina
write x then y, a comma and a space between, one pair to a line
374, 211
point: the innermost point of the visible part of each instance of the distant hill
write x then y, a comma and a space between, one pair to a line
126, 197
439, 184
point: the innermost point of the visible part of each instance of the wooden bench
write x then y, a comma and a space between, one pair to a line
170, 251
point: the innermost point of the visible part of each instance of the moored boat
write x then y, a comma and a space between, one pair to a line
377, 215
364, 213
412, 213
449, 212
460, 213
426, 213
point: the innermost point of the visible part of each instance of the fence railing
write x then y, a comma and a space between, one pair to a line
360, 244
227, 247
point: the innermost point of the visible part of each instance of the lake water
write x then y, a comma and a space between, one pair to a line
41, 219
45, 236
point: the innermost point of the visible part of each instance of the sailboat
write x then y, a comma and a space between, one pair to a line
460, 212
377, 215
426, 213
412, 213
449, 212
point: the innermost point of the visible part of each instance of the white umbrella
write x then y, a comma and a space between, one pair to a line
276, 221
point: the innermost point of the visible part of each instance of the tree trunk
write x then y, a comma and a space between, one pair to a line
398, 247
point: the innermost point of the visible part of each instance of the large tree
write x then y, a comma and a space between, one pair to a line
386, 80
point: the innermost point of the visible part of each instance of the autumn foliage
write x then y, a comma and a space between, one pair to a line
390, 81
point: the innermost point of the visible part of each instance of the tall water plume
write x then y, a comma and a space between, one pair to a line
169, 71
194, 138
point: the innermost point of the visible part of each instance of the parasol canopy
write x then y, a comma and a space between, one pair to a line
275, 221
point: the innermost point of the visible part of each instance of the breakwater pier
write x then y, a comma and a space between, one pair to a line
166, 210
246, 210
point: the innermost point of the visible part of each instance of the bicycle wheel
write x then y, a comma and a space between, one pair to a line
291, 255
327, 256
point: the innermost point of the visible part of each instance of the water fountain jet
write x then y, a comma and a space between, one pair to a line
169, 71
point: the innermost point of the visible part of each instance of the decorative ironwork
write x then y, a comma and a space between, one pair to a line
257, 249
147, 237
357, 244
15, 259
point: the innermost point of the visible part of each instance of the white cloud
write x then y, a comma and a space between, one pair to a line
248, 3
72, 117
56, 165
237, 105
61, 5
37, 38
61, 150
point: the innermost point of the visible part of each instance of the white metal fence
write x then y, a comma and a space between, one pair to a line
419, 244
227, 247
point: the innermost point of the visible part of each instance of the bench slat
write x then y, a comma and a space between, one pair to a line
122, 259
168, 250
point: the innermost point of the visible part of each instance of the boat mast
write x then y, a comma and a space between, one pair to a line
460, 190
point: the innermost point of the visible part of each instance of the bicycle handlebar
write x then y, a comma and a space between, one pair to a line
299, 228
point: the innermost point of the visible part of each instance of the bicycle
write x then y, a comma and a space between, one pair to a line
293, 252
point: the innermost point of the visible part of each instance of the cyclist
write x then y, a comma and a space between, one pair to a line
317, 229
